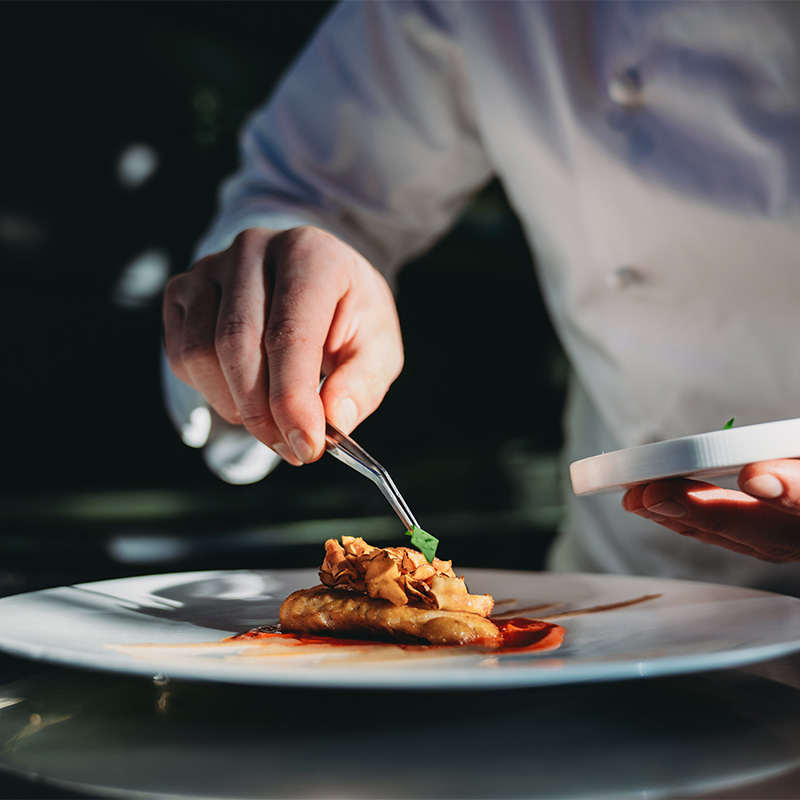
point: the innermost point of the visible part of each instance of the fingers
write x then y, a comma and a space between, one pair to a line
722, 517
214, 319
257, 350
355, 389
307, 289
360, 369
190, 312
173, 315
776, 483
238, 333
331, 314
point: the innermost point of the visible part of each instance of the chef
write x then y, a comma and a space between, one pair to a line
652, 154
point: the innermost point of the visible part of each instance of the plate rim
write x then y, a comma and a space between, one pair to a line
457, 678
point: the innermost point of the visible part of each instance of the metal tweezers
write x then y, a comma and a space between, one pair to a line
341, 446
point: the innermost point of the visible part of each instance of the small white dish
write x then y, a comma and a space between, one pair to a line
704, 455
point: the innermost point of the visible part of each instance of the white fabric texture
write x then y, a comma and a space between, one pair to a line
651, 152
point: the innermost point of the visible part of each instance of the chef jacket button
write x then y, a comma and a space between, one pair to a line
626, 276
625, 89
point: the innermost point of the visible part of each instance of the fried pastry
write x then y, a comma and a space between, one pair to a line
390, 592
325, 611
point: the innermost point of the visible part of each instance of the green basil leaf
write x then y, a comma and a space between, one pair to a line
729, 424
424, 542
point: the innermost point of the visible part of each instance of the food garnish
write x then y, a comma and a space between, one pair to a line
390, 592
400, 575
394, 593
729, 424
378, 604
424, 542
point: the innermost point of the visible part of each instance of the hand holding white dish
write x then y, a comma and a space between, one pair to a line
762, 520
704, 455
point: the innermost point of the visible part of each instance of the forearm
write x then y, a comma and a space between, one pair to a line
370, 136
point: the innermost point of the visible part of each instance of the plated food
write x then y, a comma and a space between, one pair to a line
172, 624
392, 592
376, 606
395, 594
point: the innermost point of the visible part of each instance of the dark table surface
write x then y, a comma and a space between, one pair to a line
730, 734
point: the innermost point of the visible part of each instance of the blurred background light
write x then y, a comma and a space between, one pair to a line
136, 165
195, 432
146, 548
142, 279
21, 231
207, 106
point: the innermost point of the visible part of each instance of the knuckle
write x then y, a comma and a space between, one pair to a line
241, 239
203, 269
228, 412
204, 263
248, 244
176, 288
258, 422
284, 398
240, 244
304, 236
176, 364
285, 334
308, 245
236, 334
195, 353
247, 236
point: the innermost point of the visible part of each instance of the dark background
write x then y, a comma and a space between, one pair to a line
97, 483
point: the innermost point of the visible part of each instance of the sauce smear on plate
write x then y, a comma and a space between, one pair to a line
520, 635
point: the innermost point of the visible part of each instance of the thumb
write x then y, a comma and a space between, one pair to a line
776, 483
355, 389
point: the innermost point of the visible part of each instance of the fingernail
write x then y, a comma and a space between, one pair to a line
282, 449
766, 486
668, 508
301, 445
347, 413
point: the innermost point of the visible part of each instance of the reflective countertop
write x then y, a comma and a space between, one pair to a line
729, 734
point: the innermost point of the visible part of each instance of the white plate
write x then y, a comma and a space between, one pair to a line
704, 455
691, 627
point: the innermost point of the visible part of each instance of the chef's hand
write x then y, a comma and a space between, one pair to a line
254, 327
762, 520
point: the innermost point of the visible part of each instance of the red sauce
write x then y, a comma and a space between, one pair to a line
519, 635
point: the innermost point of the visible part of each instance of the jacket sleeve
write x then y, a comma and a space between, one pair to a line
370, 135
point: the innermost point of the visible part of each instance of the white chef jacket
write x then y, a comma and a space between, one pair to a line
652, 153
